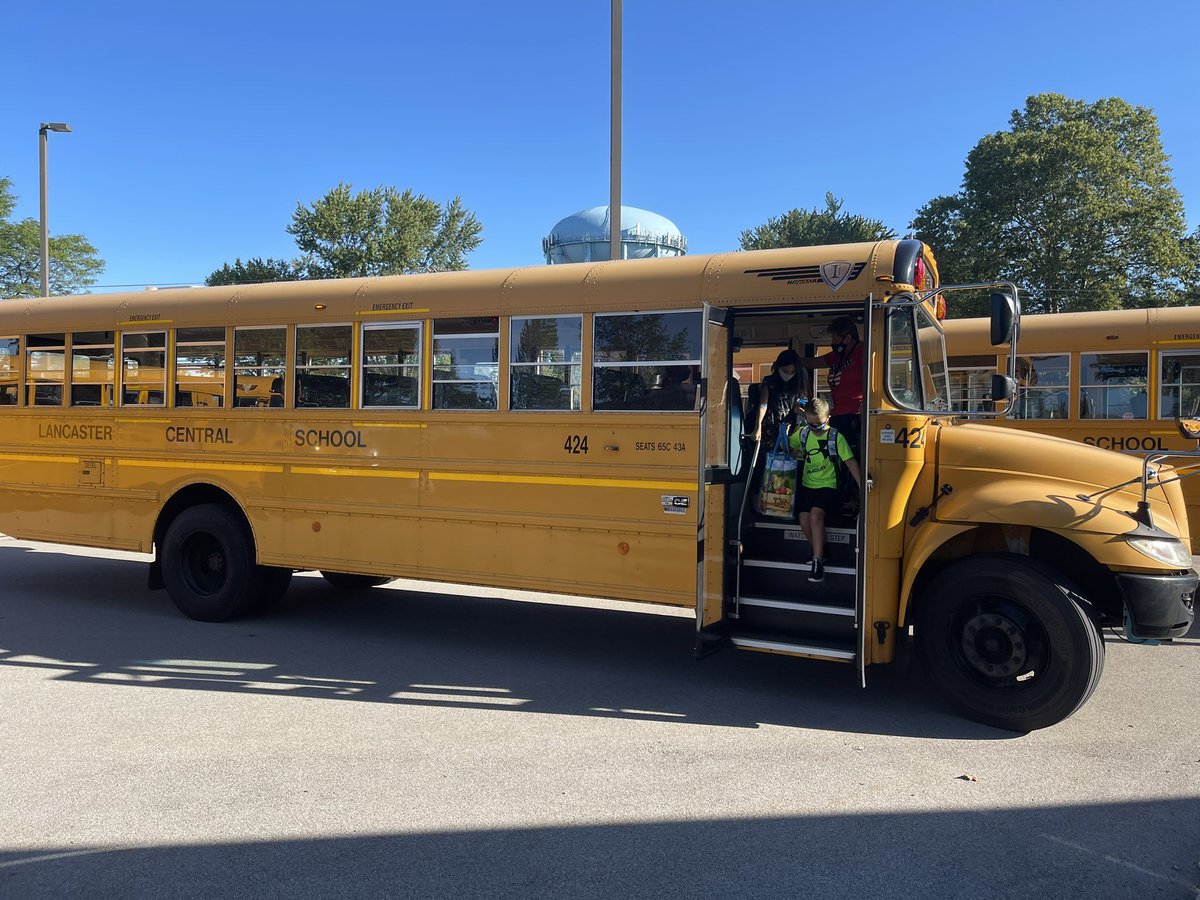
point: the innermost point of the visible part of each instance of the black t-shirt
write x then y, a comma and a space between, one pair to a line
781, 395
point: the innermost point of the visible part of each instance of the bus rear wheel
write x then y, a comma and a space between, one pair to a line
208, 564
1006, 644
354, 582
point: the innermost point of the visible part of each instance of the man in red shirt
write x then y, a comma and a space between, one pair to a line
845, 364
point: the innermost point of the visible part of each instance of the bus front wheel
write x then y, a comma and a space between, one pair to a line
208, 564
1006, 644
354, 582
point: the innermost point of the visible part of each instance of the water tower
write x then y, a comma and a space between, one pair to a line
583, 237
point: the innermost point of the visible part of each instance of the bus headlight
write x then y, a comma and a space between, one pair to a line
1170, 551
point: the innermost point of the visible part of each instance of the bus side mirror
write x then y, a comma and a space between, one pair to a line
1003, 387
1189, 427
1004, 314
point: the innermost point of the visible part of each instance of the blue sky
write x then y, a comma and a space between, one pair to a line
198, 127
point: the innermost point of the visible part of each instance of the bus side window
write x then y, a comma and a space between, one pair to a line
259, 358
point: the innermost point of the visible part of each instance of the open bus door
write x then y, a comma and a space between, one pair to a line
720, 449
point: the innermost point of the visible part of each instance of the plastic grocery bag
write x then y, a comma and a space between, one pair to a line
778, 498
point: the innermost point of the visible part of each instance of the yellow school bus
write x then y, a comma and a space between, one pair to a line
1116, 379
578, 429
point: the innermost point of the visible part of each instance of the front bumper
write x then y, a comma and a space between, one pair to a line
1159, 606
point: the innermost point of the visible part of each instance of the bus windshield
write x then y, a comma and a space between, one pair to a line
916, 354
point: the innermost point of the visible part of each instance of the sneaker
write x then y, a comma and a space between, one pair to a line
817, 573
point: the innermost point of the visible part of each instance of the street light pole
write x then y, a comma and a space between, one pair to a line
614, 174
43, 142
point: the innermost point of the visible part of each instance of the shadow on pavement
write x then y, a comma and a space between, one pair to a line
1068, 851
92, 620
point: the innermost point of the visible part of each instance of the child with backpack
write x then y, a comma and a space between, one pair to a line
821, 452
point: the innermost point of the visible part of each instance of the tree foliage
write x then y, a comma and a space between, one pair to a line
810, 227
74, 264
382, 232
1075, 204
254, 271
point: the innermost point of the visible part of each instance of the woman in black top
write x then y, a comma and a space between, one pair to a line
776, 396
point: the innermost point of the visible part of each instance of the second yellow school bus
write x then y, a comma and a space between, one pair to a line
1116, 379
579, 429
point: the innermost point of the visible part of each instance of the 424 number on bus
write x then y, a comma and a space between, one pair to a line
578, 443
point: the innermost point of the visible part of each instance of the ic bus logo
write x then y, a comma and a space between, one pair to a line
835, 274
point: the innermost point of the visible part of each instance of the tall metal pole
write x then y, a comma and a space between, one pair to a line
614, 184
43, 141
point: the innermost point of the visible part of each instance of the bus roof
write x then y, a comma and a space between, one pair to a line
829, 274
1097, 330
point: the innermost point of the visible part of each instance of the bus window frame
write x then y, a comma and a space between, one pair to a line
31, 382
984, 402
16, 372
417, 325
495, 381
299, 369
1163, 356
891, 316
574, 367
176, 344
694, 364
110, 384
1083, 386
1023, 390
140, 386
284, 374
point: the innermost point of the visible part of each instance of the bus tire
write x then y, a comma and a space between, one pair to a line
208, 563
1006, 644
354, 582
270, 585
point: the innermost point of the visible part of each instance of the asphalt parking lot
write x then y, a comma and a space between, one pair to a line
480, 743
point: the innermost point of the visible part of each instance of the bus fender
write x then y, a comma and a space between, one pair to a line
925, 542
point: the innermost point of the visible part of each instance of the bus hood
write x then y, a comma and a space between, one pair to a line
1020, 477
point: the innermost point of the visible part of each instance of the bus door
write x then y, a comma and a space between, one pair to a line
720, 451
779, 601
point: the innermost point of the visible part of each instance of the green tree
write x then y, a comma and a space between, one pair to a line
1075, 204
74, 264
809, 227
382, 232
254, 271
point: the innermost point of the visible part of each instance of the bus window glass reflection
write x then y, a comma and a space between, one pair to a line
646, 361
44, 368
1180, 385
1113, 385
1043, 387
93, 368
10, 371
391, 365
259, 366
466, 363
545, 362
323, 366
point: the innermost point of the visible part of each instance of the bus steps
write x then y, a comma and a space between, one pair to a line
775, 600
839, 651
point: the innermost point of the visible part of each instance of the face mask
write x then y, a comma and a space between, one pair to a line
786, 377
822, 426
